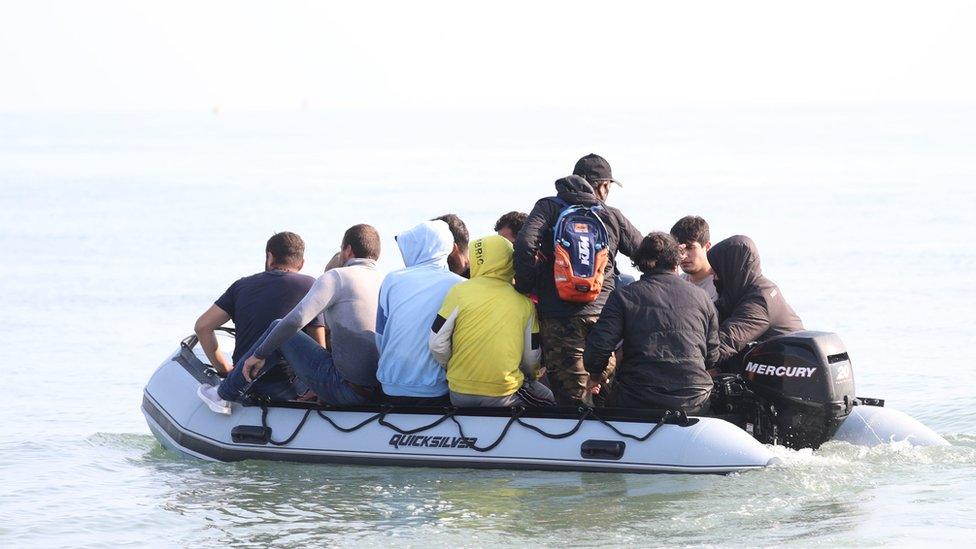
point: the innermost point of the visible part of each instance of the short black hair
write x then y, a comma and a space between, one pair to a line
364, 239
458, 229
658, 250
287, 249
513, 220
691, 228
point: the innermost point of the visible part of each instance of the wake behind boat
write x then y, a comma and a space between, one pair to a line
800, 404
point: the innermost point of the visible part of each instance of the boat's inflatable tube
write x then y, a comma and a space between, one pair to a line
873, 425
453, 438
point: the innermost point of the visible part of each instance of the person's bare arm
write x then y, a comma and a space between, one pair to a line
317, 333
210, 320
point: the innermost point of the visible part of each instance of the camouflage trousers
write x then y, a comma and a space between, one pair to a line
563, 340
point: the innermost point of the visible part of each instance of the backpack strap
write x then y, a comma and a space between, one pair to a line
562, 203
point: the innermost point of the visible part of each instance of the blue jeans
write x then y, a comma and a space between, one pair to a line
312, 364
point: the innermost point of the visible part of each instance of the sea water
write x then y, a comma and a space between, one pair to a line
117, 231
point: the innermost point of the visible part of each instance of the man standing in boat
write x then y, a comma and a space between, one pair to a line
564, 324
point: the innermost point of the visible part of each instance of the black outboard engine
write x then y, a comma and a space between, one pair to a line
794, 389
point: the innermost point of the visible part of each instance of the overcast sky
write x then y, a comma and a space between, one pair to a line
274, 55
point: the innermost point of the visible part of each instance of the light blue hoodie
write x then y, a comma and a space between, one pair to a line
408, 304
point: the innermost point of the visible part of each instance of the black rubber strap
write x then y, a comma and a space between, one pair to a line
264, 423
516, 412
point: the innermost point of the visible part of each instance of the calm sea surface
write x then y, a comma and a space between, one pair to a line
117, 231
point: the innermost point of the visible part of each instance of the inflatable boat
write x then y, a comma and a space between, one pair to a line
794, 390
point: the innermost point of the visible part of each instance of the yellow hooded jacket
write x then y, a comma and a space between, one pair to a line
486, 333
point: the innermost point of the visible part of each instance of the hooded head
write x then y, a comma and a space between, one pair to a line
428, 243
735, 261
576, 190
491, 256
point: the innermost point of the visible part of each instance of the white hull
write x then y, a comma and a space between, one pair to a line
873, 425
182, 422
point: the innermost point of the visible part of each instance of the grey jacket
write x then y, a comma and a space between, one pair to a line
347, 296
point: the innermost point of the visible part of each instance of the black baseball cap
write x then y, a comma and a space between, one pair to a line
593, 168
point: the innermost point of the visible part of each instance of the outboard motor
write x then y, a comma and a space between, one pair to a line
794, 389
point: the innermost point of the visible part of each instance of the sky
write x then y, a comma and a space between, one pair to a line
105, 56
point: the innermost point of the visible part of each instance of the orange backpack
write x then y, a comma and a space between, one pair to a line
581, 246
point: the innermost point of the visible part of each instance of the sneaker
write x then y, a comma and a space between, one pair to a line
208, 394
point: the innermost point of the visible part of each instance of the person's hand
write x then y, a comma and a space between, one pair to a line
713, 372
593, 385
252, 367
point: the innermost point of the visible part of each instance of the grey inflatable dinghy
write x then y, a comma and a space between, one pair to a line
795, 390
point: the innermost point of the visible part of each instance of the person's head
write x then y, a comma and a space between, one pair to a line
491, 256
510, 224
657, 252
458, 260
360, 241
596, 170
285, 251
736, 264
334, 263
692, 235
428, 243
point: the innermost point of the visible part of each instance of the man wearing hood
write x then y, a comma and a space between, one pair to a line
408, 299
564, 325
486, 334
750, 306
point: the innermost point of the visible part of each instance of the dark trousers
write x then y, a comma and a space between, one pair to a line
695, 402
563, 340
313, 367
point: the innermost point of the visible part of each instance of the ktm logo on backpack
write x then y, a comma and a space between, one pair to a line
581, 250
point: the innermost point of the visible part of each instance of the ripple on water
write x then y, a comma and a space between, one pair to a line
124, 441
826, 495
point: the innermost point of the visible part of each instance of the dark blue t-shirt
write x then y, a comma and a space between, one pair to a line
255, 301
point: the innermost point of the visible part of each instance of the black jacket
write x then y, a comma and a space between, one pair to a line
669, 329
751, 308
532, 275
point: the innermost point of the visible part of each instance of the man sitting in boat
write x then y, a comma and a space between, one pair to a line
345, 375
750, 306
693, 237
409, 298
457, 260
254, 301
669, 330
510, 224
487, 336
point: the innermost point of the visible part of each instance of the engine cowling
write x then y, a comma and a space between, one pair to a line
801, 385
